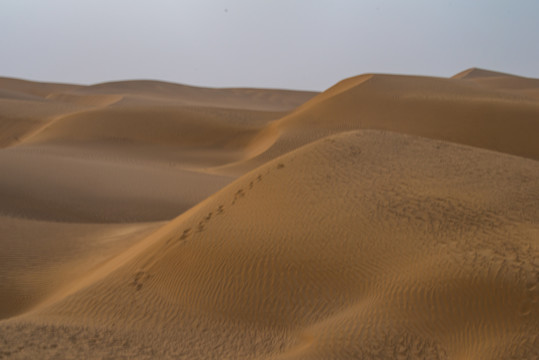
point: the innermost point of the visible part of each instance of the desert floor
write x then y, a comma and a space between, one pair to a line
388, 217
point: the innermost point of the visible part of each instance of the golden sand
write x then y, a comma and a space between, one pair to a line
389, 217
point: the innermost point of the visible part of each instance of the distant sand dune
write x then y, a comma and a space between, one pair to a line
252, 99
168, 126
23, 116
389, 217
40, 89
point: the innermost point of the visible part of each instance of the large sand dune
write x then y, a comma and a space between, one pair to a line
390, 217
455, 110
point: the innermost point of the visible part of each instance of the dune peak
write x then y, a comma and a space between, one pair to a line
474, 72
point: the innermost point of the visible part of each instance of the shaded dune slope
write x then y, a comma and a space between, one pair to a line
362, 245
43, 186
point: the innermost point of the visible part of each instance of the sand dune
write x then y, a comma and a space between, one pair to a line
243, 98
517, 84
446, 109
164, 133
252, 99
40, 89
56, 101
387, 217
304, 250
21, 117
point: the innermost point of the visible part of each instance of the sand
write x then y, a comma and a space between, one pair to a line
389, 217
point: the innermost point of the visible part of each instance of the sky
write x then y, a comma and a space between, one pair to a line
292, 44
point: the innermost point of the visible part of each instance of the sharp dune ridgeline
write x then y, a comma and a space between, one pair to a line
388, 217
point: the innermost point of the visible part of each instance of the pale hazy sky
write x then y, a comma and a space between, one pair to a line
297, 44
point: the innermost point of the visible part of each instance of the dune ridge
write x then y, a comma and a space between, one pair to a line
387, 217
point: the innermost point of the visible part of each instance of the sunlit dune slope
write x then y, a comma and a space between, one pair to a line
366, 244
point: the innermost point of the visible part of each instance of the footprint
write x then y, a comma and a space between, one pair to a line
201, 226
185, 234
239, 194
280, 166
220, 210
139, 279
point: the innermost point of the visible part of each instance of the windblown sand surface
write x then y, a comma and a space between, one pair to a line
389, 217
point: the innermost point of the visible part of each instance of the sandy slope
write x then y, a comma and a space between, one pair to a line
330, 251
328, 241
